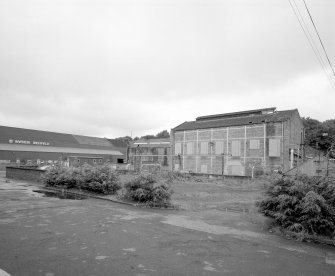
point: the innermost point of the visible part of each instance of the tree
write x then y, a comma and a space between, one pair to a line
319, 135
148, 136
163, 134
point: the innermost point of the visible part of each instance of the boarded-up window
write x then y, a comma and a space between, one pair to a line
274, 147
177, 149
204, 148
189, 148
219, 147
236, 148
237, 170
203, 169
254, 144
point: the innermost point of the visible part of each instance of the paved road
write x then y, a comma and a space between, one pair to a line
50, 236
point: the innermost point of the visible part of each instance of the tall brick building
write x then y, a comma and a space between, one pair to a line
241, 143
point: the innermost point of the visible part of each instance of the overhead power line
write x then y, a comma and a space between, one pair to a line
312, 43
310, 39
323, 47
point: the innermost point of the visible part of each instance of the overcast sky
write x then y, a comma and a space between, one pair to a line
109, 68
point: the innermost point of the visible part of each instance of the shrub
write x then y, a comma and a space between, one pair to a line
98, 179
95, 179
145, 188
302, 204
60, 176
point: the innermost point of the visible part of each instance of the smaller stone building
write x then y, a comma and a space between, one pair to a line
150, 154
242, 143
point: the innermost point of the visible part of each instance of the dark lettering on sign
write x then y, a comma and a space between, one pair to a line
25, 142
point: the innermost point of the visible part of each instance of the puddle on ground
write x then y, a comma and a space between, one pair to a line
60, 195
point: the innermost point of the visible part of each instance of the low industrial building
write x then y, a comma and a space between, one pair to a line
27, 146
242, 143
150, 154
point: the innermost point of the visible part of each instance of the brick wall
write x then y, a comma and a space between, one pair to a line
20, 173
249, 160
293, 130
211, 162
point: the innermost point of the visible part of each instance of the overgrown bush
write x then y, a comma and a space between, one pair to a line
146, 189
302, 204
61, 176
100, 179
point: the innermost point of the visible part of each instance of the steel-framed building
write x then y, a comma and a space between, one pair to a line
241, 143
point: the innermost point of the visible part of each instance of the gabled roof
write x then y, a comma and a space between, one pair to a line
228, 121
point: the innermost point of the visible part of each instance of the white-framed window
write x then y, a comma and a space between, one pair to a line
203, 147
236, 148
219, 147
274, 147
189, 148
177, 148
78, 160
94, 161
100, 161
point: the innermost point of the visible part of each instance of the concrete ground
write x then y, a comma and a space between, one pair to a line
50, 236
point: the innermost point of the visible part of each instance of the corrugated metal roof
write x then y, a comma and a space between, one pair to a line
279, 116
32, 148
